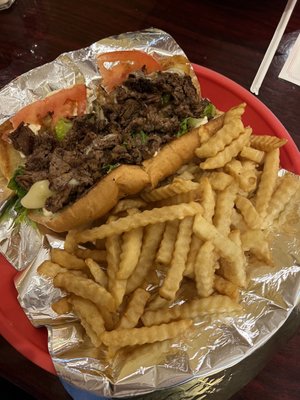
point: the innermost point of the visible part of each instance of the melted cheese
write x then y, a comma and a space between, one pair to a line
35, 128
37, 195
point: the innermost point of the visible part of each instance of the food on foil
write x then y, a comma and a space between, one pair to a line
70, 159
172, 254
175, 281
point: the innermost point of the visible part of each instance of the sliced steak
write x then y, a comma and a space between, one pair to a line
23, 139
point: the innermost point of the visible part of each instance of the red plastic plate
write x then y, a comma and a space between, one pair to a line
224, 93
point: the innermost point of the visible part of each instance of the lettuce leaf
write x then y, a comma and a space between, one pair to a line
13, 184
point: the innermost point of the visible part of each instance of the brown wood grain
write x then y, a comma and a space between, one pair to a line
229, 37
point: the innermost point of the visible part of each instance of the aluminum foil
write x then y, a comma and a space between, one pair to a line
213, 351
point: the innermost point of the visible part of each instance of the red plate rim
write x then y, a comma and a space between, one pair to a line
39, 355
291, 151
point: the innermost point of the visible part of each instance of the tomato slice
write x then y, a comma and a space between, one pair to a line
63, 103
128, 61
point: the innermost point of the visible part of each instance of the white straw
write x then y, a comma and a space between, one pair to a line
264, 66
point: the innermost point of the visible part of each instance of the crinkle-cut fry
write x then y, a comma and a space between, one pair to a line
66, 260
193, 195
96, 341
248, 180
62, 306
174, 275
226, 248
190, 263
142, 219
116, 287
206, 231
97, 273
167, 244
235, 273
267, 182
70, 244
227, 288
219, 180
90, 318
86, 288
186, 175
208, 200
233, 168
157, 302
125, 204
266, 143
205, 265
50, 269
238, 222
177, 186
113, 251
131, 250
90, 312
252, 154
138, 336
248, 212
229, 152
248, 165
152, 237
232, 128
288, 185
191, 309
134, 310
95, 254
224, 206
207, 130
234, 112
118, 290
190, 167
255, 241
245, 176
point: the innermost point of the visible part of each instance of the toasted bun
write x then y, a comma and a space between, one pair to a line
123, 181
9, 157
177, 153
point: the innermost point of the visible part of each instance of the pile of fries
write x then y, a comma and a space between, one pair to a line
203, 228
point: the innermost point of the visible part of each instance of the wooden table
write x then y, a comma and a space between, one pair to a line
230, 37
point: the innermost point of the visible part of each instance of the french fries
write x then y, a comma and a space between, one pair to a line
196, 231
90, 317
175, 272
267, 182
86, 288
142, 219
191, 309
134, 310
230, 131
134, 336
205, 265
167, 244
228, 153
152, 238
163, 192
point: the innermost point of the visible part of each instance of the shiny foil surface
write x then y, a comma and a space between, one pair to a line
213, 353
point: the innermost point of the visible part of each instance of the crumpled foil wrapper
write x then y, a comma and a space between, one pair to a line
214, 351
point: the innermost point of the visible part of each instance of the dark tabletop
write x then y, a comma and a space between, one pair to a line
229, 37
